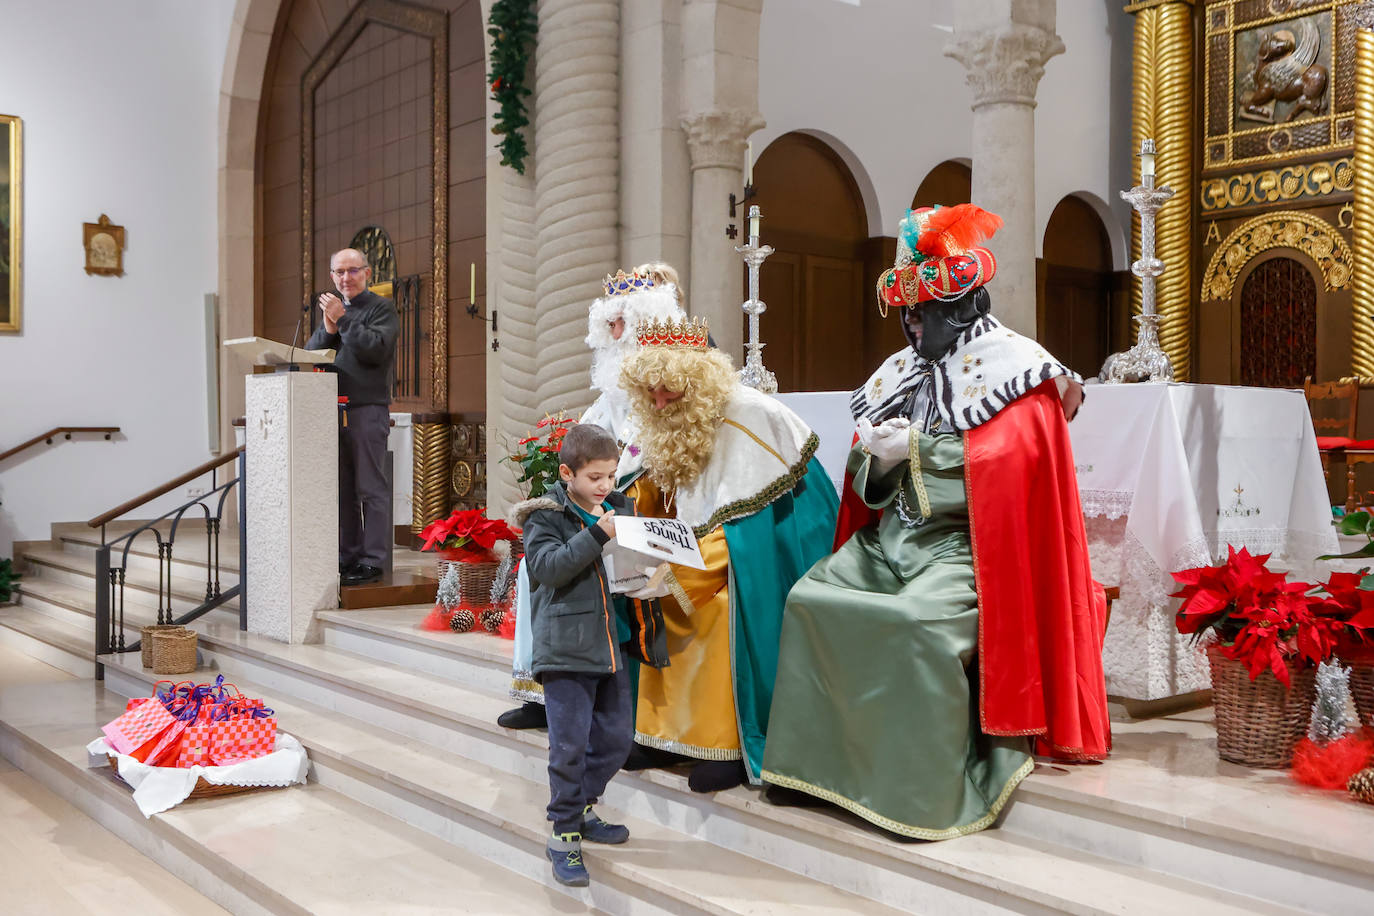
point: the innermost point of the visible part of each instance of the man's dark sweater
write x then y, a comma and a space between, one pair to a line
366, 342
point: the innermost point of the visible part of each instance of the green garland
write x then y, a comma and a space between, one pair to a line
513, 27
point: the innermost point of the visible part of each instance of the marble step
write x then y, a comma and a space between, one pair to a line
391, 635
300, 850
188, 555
63, 646
74, 569
988, 872
75, 606
500, 817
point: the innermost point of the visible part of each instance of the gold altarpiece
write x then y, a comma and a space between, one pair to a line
1253, 104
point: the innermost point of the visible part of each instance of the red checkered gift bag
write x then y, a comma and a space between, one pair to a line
245, 738
235, 733
138, 728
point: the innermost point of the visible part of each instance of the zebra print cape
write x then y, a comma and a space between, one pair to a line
989, 367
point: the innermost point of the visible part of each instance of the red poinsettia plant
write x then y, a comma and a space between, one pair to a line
537, 457
1266, 622
467, 534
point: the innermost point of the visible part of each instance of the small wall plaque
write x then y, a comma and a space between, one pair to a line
104, 245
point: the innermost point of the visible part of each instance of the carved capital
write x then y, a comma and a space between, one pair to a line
1004, 64
716, 139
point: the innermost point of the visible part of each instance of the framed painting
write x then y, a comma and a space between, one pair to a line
11, 223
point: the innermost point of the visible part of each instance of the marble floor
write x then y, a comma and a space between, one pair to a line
54, 860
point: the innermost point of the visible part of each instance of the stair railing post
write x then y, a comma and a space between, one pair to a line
243, 540
103, 588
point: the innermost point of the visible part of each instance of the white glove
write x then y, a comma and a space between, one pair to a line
889, 442
657, 586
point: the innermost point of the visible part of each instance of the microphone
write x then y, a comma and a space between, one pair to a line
291, 356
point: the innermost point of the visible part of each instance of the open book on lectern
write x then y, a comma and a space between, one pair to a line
263, 352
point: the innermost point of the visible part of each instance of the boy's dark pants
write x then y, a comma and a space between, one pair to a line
591, 730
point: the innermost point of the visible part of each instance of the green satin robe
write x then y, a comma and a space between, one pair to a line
875, 704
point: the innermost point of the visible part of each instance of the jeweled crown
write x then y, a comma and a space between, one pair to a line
622, 284
693, 334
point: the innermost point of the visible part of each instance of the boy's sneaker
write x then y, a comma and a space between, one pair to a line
565, 852
595, 830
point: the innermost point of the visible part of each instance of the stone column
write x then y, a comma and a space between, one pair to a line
716, 142
1004, 51
576, 187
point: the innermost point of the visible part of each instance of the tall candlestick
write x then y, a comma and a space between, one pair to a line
1146, 360
754, 375
472, 286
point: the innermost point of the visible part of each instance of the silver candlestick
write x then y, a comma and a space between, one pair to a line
753, 374
1145, 361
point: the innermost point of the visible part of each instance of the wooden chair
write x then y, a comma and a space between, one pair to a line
1335, 428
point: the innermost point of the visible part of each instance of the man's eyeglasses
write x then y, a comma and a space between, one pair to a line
347, 271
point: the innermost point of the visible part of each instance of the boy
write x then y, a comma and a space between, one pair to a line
578, 632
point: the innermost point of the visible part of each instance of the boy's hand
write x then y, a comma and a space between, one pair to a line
607, 523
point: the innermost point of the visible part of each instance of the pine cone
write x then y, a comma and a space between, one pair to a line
492, 619
1361, 786
461, 621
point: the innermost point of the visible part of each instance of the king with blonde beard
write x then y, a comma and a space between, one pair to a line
740, 468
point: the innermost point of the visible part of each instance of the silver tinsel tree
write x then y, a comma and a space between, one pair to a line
448, 588
1333, 715
504, 582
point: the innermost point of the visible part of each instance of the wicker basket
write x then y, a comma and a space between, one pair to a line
145, 635
174, 652
474, 581
1259, 721
1362, 687
203, 789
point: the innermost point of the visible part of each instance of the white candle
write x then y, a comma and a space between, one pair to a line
1147, 159
749, 163
472, 287
753, 223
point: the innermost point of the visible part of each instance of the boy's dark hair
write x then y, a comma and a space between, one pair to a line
587, 442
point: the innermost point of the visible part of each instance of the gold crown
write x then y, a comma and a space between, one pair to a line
622, 284
694, 334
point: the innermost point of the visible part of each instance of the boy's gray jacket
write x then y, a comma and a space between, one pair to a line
572, 618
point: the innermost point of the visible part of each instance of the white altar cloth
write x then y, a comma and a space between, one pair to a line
1170, 475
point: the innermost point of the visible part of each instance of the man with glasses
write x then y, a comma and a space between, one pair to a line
362, 327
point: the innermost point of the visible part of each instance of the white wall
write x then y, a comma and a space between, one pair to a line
869, 76
120, 107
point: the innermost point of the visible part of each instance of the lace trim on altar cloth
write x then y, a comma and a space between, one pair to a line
1105, 503
1143, 582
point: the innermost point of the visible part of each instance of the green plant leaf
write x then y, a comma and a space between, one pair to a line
1365, 551
1355, 523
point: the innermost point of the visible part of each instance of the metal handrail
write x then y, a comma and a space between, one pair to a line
48, 437
169, 486
110, 575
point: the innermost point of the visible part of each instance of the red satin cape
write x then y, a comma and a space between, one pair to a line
1041, 617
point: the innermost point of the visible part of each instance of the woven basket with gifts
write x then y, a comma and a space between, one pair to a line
1266, 635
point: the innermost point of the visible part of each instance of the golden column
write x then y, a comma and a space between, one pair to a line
430, 465
1162, 91
1362, 329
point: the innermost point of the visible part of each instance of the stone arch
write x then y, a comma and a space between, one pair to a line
817, 277
862, 180
1117, 234
1074, 286
947, 184
1303, 232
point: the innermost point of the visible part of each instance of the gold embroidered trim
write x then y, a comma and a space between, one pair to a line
744, 508
887, 823
689, 750
918, 479
526, 691
679, 593
761, 444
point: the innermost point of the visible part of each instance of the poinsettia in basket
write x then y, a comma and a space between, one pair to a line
465, 542
1267, 635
